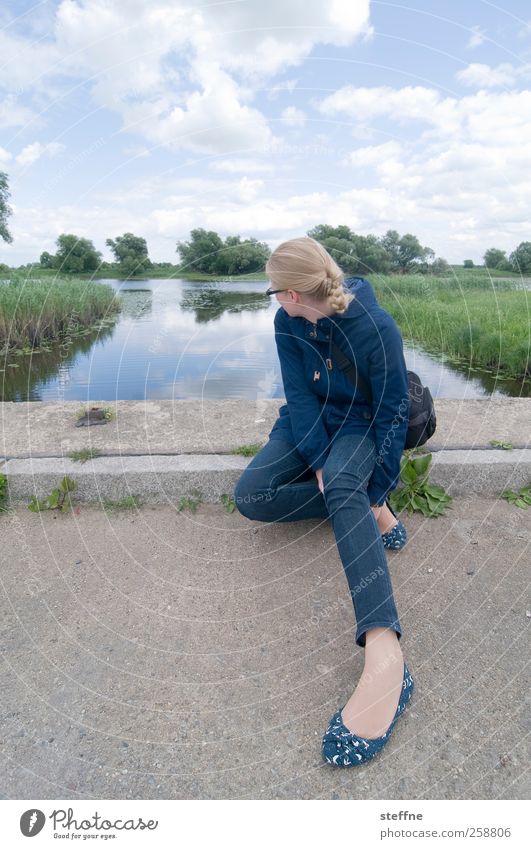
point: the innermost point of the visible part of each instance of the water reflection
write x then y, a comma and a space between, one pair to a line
137, 304
23, 374
209, 304
181, 339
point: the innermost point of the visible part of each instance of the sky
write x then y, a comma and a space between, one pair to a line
264, 119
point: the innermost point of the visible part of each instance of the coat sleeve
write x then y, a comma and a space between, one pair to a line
305, 411
390, 408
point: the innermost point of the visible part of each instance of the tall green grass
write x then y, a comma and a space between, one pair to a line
34, 312
485, 323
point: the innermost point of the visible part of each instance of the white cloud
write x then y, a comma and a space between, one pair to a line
26, 61
364, 103
234, 166
13, 113
293, 117
182, 74
212, 119
247, 190
264, 38
32, 152
484, 76
5, 156
286, 85
373, 155
477, 37
486, 117
368, 33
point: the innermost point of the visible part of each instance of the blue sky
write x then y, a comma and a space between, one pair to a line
265, 119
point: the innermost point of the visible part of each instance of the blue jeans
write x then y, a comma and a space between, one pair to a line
279, 486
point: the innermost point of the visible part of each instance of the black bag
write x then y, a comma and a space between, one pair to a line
422, 418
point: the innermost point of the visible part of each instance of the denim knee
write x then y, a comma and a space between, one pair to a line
250, 502
335, 481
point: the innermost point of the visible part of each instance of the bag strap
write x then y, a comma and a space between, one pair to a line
351, 371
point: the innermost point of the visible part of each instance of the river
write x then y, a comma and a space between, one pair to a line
181, 339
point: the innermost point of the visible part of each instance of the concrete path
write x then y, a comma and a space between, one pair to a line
158, 654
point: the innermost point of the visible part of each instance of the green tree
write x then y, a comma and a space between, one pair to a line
354, 254
237, 257
208, 253
468, 263
404, 252
495, 258
5, 209
76, 254
47, 260
438, 266
520, 258
200, 253
131, 253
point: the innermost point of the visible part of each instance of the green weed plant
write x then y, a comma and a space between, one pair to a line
417, 494
59, 498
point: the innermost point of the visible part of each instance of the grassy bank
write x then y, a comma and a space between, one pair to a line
112, 273
484, 323
36, 312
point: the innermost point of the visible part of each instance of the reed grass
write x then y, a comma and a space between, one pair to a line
35, 312
485, 323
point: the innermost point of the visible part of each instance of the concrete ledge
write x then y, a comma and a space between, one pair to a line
156, 479
481, 472
159, 479
47, 428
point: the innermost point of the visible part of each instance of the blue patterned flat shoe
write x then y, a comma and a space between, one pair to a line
342, 748
396, 538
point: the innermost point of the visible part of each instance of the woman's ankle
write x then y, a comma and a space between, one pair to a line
382, 647
386, 521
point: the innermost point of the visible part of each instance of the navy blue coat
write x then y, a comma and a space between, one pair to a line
322, 402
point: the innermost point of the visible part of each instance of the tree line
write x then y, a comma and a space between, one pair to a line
206, 252
518, 260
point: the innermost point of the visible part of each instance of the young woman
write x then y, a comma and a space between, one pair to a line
334, 453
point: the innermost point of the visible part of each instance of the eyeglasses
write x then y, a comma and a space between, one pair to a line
273, 291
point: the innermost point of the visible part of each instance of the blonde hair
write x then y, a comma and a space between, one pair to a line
304, 265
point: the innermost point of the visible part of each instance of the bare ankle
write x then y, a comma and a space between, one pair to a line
386, 520
382, 647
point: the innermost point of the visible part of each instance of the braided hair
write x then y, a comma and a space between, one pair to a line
303, 264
